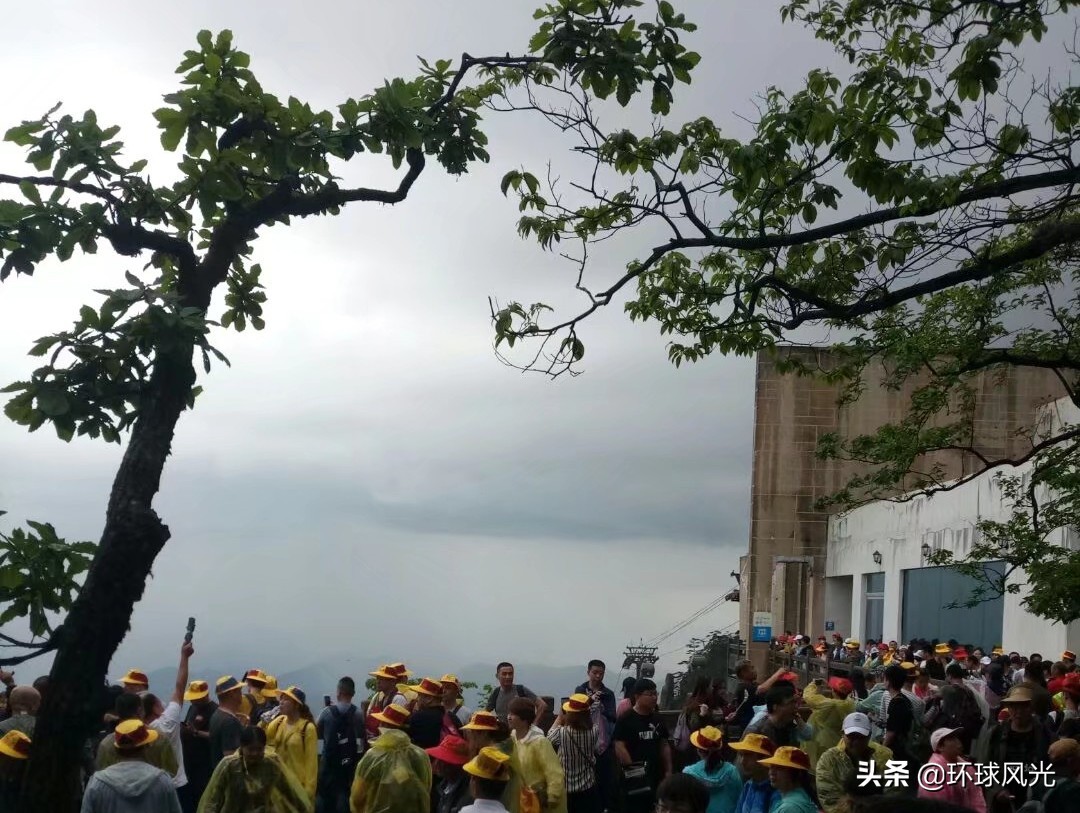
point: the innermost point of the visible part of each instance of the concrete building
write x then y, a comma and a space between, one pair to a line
878, 583
783, 572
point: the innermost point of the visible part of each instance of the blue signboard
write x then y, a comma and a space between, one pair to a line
761, 635
830, 626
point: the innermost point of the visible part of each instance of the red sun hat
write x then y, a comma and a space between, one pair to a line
452, 750
841, 686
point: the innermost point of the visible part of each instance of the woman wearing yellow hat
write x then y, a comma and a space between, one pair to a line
486, 730
789, 773
293, 737
721, 779
575, 740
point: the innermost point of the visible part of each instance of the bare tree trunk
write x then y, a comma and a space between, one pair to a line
100, 616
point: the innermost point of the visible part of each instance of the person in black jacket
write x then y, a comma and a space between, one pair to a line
451, 792
341, 728
426, 721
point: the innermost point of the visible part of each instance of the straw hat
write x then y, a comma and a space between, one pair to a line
271, 689
391, 671
450, 680
941, 649
482, 721
1017, 694
577, 702
852, 643
998, 650
295, 694
255, 676
787, 756
197, 690
135, 677
490, 763
226, 684
132, 734
755, 744
427, 686
452, 750
15, 744
707, 738
394, 716
1068, 655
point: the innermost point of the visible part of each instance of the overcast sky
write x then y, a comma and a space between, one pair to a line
367, 476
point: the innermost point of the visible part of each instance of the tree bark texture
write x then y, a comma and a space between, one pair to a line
100, 616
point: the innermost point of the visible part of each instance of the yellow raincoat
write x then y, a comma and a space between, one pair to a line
541, 769
394, 776
296, 746
827, 719
266, 786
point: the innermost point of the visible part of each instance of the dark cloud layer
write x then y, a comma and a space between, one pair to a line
368, 446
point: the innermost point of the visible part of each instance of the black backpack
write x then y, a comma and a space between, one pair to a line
493, 699
339, 741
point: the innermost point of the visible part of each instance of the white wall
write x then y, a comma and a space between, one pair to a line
897, 530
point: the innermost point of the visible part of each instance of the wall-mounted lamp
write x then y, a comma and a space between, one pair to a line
926, 550
877, 557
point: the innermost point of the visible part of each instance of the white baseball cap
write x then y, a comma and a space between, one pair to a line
857, 723
940, 734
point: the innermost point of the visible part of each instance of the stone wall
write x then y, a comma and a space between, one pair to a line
791, 413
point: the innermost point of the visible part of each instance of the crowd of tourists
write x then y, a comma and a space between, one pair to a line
887, 736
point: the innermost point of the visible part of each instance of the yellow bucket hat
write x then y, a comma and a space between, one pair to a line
490, 763
787, 756
15, 744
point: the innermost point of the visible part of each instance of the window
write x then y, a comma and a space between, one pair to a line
874, 606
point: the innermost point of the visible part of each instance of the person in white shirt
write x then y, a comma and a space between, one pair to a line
490, 771
168, 719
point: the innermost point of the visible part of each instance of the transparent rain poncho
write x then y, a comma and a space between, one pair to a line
394, 776
266, 786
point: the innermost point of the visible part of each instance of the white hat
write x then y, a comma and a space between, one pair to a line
857, 723
940, 734
985, 660
919, 655
873, 650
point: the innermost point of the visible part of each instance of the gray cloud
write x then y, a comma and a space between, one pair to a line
367, 450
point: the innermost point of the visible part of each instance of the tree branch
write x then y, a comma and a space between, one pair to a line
84, 188
24, 644
49, 646
327, 198
1047, 237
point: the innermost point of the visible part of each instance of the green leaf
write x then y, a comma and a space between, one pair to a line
205, 40
52, 401
31, 191
10, 578
172, 133
511, 178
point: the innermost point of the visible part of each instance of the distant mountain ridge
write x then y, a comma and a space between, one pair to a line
321, 678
